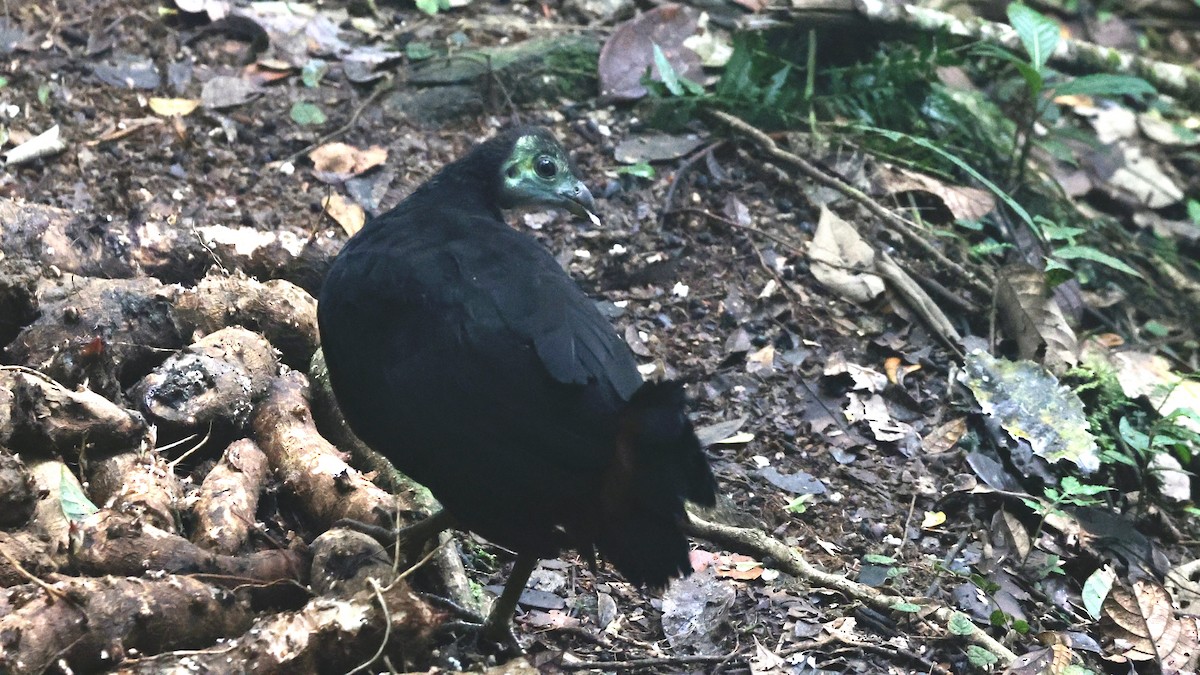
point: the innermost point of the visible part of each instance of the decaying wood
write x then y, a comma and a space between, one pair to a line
160, 246
18, 492
1182, 82
228, 498
44, 416
328, 488
345, 561
108, 542
325, 636
283, 312
23, 552
214, 382
139, 483
100, 621
106, 332
55, 237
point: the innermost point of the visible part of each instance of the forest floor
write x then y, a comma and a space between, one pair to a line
703, 269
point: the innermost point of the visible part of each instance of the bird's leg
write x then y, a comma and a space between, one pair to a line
498, 627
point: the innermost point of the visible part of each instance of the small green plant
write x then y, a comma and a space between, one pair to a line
1039, 37
432, 7
1063, 240
307, 114
1070, 492
639, 170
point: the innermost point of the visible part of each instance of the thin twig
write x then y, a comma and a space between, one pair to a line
358, 111
387, 629
905, 229
663, 662
16, 565
682, 170
758, 543
191, 450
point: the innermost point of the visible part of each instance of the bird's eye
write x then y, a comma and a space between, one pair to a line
545, 166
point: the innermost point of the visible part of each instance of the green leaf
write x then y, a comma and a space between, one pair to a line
640, 170
418, 51
1057, 272
959, 624
998, 618
1072, 486
1193, 206
3, 81
980, 657
896, 136
1052, 231
1105, 84
75, 505
776, 85
666, 71
693, 88
306, 114
432, 7
1033, 77
43, 93
799, 504
1096, 589
1156, 328
907, 607
312, 72
1096, 256
876, 559
1038, 33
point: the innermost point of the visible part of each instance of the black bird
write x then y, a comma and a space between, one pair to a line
459, 349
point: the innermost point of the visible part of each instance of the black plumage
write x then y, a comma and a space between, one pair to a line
459, 349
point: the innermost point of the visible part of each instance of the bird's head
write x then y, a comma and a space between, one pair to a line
536, 171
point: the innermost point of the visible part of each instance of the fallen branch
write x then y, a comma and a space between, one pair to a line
761, 545
903, 228
108, 542
229, 498
1182, 82
328, 488
326, 635
103, 619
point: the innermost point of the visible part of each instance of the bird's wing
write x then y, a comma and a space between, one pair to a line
540, 305
482, 321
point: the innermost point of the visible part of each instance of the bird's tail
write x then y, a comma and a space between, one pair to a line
658, 464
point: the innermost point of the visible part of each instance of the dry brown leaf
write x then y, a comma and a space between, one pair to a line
1007, 528
943, 438
124, 128
345, 212
737, 566
1152, 376
335, 162
964, 203
838, 255
169, 107
1033, 319
1142, 623
1143, 181
629, 51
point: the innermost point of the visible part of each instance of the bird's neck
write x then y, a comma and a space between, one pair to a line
461, 185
